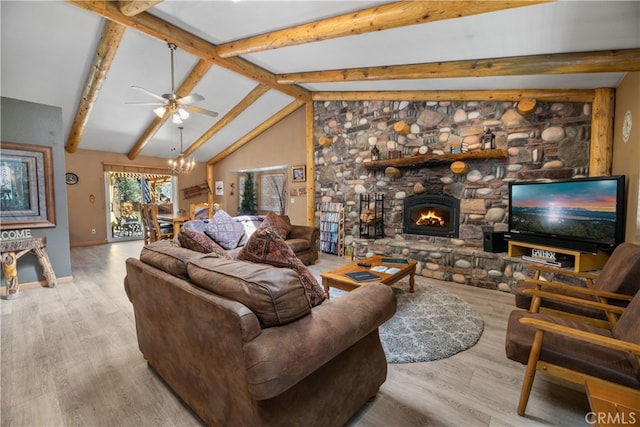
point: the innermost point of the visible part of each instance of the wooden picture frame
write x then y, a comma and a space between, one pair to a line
298, 173
26, 186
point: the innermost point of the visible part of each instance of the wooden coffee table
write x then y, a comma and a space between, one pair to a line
336, 278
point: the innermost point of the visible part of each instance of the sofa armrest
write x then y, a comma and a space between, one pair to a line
282, 356
305, 232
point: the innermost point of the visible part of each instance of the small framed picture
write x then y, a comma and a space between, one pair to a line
299, 173
219, 188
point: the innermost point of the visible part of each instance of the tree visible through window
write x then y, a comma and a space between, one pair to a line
273, 192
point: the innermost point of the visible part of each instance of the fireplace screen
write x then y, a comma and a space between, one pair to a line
432, 215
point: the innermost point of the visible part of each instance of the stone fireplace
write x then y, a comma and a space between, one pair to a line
431, 215
552, 142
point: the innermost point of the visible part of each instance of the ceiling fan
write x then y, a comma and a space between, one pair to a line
178, 106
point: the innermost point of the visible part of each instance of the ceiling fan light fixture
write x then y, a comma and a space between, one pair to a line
176, 118
159, 111
183, 113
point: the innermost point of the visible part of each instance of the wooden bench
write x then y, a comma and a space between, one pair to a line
12, 250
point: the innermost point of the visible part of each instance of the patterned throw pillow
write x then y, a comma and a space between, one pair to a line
277, 224
224, 230
200, 242
267, 247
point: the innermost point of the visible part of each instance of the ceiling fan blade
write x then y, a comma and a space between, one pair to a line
145, 103
149, 93
190, 99
201, 110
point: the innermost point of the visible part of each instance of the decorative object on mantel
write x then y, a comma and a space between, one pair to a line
325, 142
526, 106
488, 139
375, 153
459, 168
180, 165
429, 324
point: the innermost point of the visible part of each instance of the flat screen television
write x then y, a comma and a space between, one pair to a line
579, 214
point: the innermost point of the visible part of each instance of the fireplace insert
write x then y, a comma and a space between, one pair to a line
431, 215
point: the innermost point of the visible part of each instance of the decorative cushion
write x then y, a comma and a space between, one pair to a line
277, 224
274, 295
250, 223
200, 242
224, 230
267, 247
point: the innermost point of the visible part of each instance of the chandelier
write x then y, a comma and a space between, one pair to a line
180, 165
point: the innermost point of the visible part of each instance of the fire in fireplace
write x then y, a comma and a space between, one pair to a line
431, 215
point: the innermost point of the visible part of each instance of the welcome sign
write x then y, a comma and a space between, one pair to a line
15, 234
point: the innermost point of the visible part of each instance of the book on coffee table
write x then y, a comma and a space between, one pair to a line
394, 261
362, 276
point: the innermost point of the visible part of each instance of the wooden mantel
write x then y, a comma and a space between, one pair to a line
435, 159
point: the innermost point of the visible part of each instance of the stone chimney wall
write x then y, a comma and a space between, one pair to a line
550, 142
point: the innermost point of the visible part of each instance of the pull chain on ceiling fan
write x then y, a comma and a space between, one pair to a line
178, 106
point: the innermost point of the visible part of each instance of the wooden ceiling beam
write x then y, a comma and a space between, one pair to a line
189, 83
384, 17
548, 95
293, 106
246, 102
604, 61
159, 29
105, 52
134, 7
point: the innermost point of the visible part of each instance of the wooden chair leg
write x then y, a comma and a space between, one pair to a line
530, 372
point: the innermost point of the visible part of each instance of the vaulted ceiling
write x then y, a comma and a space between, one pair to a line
256, 61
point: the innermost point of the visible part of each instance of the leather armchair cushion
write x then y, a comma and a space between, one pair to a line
168, 257
275, 295
585, 357
298, 245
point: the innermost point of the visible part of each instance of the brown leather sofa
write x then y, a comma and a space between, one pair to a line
240, 345
302, 239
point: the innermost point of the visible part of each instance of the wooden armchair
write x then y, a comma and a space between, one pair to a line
616, 284
146, 223
200, 211
155, 230
574, 350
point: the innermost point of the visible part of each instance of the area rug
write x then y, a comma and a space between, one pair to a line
430, 324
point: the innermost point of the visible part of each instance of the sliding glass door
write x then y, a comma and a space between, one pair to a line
126, 193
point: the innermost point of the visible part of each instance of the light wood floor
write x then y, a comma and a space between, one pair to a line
70, 358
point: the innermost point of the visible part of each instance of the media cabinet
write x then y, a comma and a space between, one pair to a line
581, 261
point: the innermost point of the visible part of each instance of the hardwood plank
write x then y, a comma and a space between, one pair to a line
69, 356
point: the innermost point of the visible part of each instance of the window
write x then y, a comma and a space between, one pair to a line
273, 192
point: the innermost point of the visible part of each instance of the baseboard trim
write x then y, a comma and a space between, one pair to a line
88, 243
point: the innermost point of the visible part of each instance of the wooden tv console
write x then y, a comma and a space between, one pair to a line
581, 261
